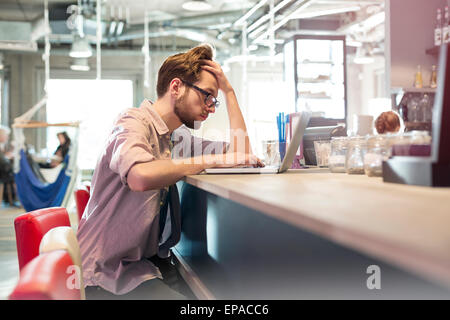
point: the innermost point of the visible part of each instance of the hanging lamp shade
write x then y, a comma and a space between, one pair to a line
80, 64
80, 48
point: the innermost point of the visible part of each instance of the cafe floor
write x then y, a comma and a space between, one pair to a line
9, 265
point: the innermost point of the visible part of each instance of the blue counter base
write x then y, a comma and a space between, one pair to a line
240, 253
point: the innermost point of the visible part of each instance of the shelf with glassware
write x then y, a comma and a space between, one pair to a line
416, 108
318, 77
415, 104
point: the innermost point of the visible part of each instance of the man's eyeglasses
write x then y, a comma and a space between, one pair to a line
210, 100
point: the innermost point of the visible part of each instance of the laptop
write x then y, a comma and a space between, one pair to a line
293, 146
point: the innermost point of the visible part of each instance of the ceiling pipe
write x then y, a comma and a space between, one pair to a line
304, 4
243, 19
189, 34
266, 17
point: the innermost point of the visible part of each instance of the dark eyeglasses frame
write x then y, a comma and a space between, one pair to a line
215, 103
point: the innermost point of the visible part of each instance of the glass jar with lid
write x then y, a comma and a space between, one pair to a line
378, 149
413, 143
336, 161
419, 137
354, 161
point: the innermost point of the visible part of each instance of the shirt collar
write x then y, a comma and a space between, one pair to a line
158, 122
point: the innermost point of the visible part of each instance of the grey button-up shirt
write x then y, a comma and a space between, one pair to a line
119, 229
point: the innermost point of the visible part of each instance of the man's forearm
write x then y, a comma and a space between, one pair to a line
238, 130
158, 174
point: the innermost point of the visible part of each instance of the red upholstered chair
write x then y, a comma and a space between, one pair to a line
47, 277
32, 226
81, 199
87, 184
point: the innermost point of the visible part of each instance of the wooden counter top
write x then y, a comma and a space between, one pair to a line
407, 226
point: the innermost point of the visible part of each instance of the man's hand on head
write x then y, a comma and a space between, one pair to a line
216, 69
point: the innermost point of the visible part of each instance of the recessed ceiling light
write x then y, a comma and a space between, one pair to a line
196, 5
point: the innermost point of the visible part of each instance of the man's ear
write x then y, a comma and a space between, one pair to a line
176, 88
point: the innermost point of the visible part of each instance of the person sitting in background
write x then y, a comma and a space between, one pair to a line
387, 122
61, 151
6, 166
5, 145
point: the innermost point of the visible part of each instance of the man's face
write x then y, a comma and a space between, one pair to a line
191, 107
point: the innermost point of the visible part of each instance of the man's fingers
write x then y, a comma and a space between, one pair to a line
212, 69
209, 62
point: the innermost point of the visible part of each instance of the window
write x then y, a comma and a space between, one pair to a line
96, 103
264, 109
321, 85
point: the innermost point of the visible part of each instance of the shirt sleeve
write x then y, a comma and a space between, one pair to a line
129, 144
187, 145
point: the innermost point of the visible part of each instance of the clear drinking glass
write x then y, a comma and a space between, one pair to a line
413, 105
271, 153
322, 150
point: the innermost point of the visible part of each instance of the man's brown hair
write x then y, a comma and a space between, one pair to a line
185, 66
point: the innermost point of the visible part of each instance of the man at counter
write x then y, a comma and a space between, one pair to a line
121, 233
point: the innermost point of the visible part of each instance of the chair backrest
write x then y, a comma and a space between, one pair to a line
81, 199
32, 226
87, 185
47, 277
64, 238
